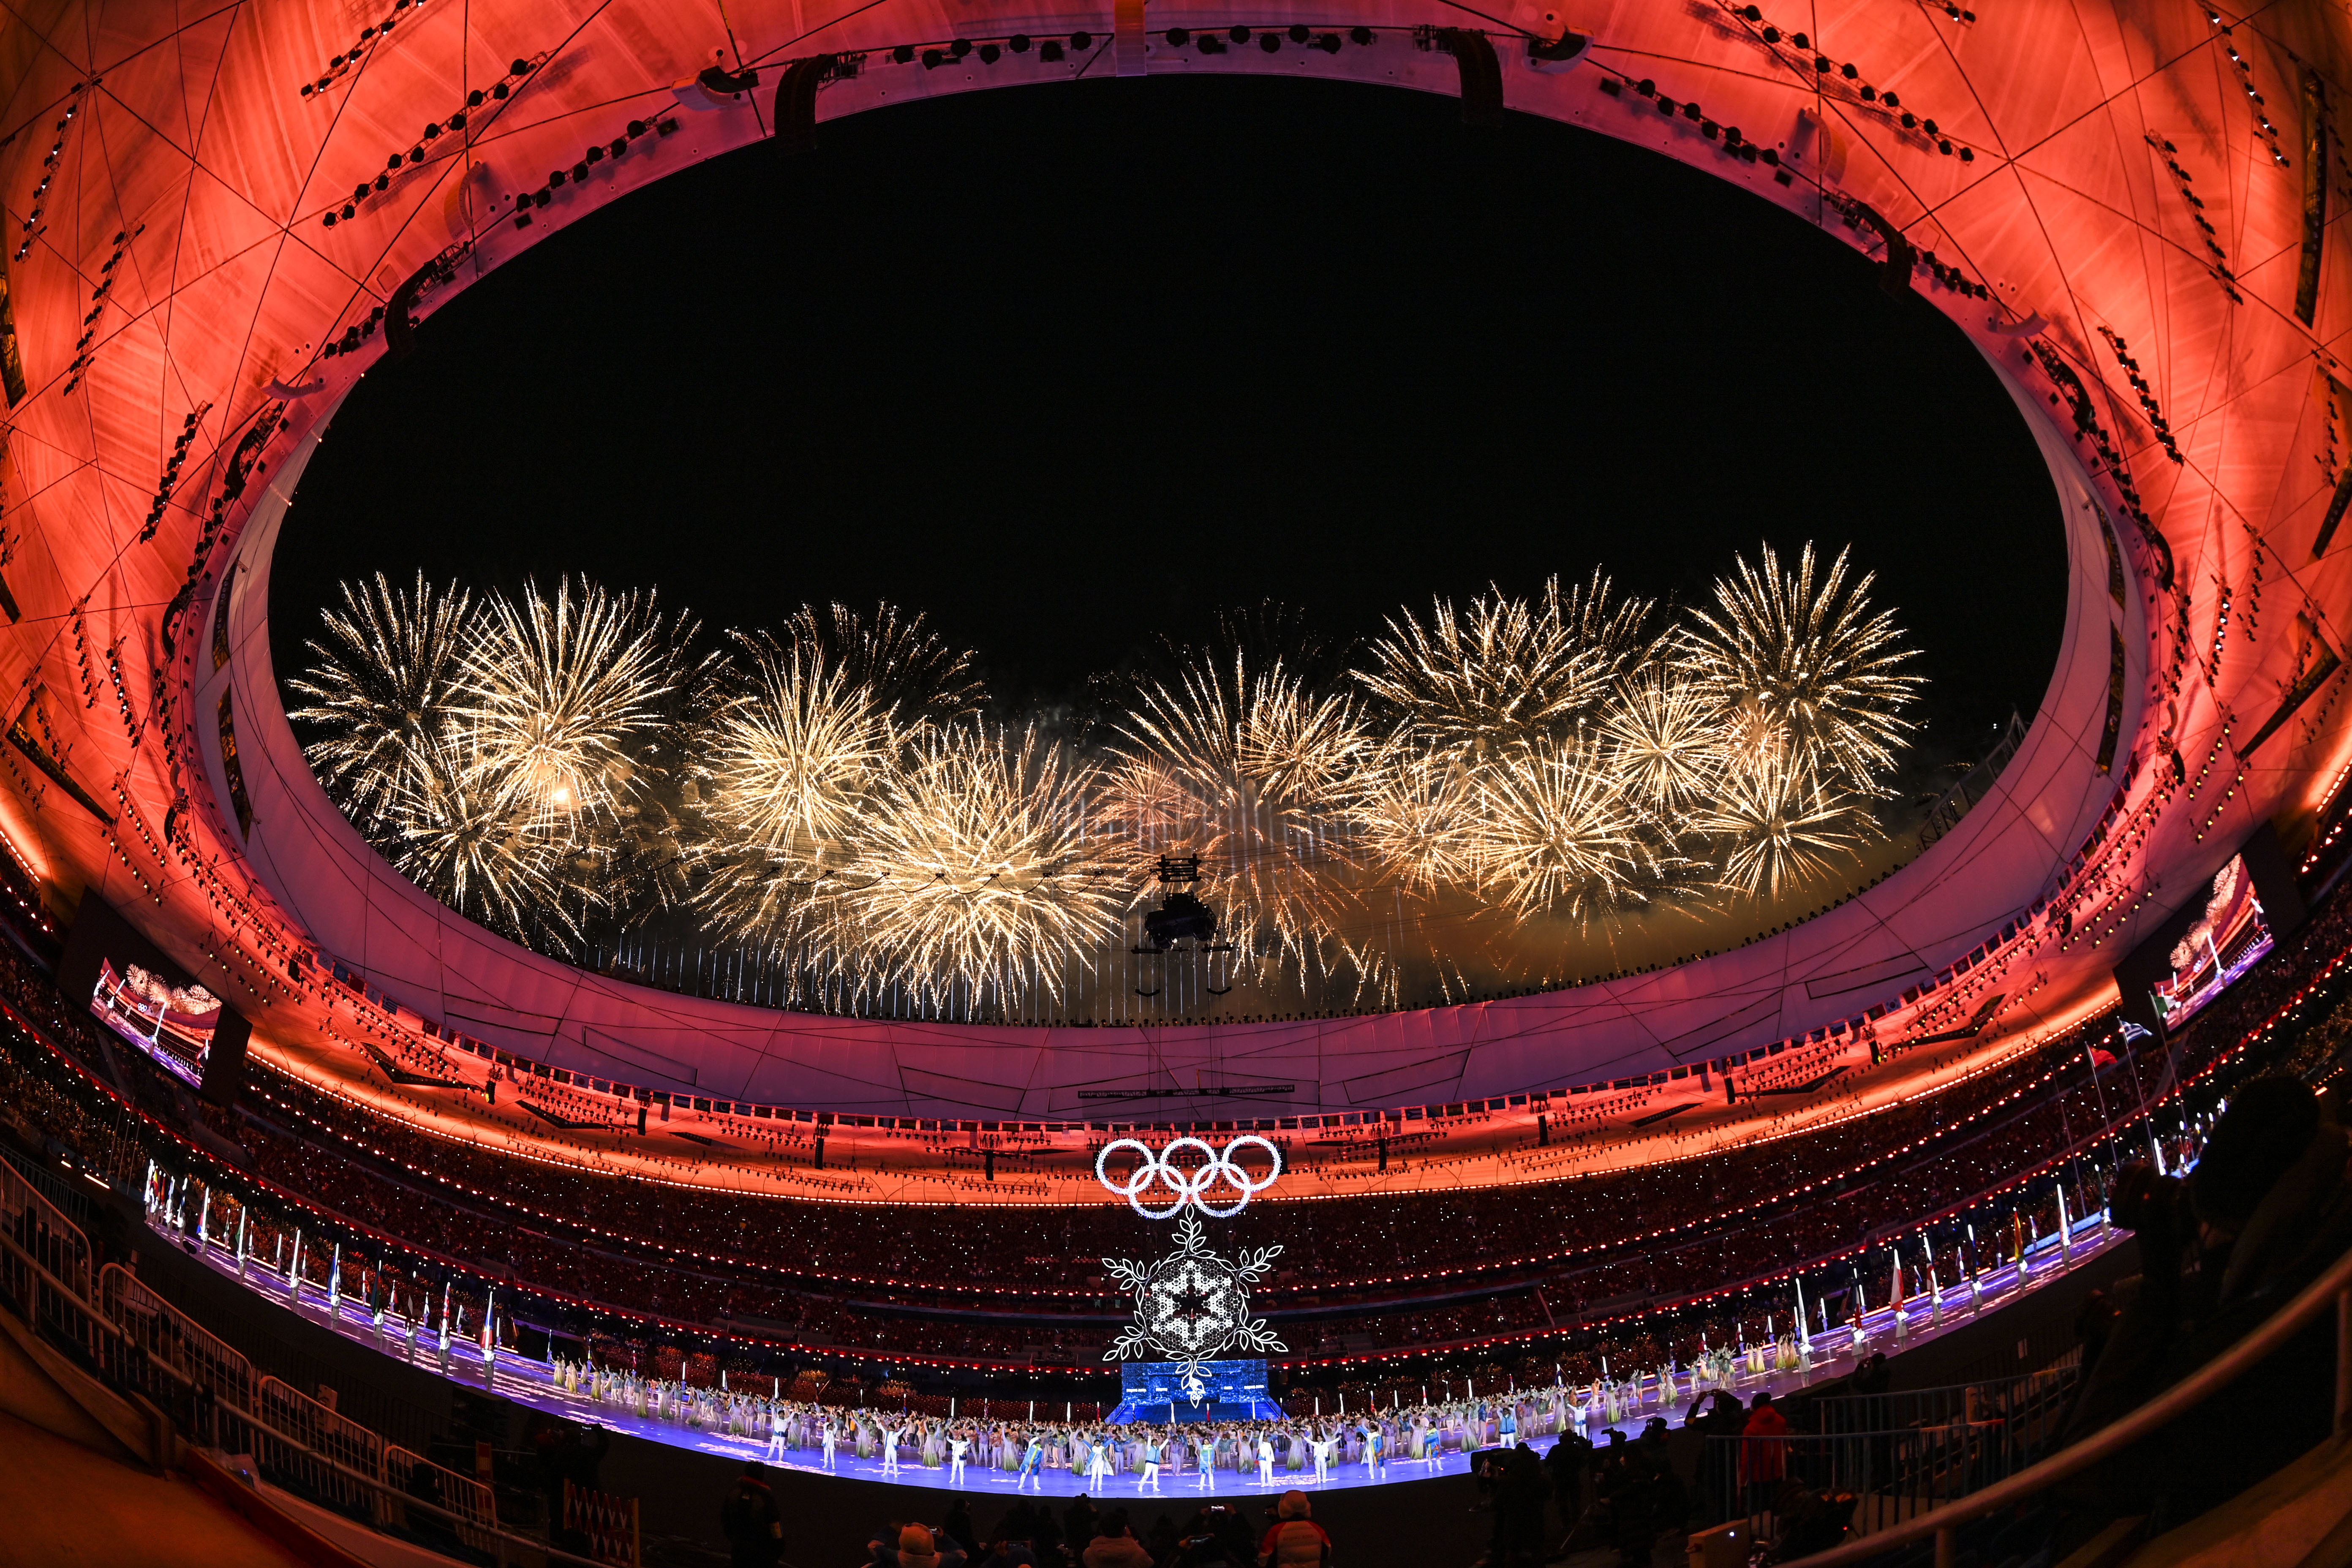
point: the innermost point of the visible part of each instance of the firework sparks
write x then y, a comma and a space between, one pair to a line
1553, 834
1809, 676
1664, 739
382, 685
792, 757
972, 864
1412, 815
830, 794
1779, 830
1243, 770
558, 690
485, 853
913, 674
1503, 672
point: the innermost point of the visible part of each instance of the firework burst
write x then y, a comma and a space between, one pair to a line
559, 691
1246, 771
1411, 812
1664, 742
1807, 675
487, 854
382, 685
1553, 832
1503, 672
552, 766
789, 761
1777, 829
973, 866
913, 675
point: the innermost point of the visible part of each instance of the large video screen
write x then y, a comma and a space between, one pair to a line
2228, 938
173, 1024
1162, 1381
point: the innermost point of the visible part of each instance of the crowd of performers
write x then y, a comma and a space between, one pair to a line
1143, 1454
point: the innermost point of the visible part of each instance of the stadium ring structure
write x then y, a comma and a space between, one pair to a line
217, 222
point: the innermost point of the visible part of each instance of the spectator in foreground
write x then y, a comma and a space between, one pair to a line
1763, 1452
1115, 1545
1519, 1499
1570, 1463
755, 1530
1007, 1552
1295, 1541
958, 1525
2267, 1211
1078, 1522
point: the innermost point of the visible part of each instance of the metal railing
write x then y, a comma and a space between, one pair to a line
167, 1334
318, 1426
2032, 1404
42, 1228
213, 1397
418, 1478
1893, 1474
266, 1455
1943, 1521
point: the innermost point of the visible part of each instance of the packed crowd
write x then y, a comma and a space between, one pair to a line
704, 1293
1472, 1237
1952, 1149
1581, 1250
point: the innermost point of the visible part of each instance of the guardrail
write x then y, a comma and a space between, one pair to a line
43, 1230
419, 1479
193, 1352
1893, 1474
2031, 1402
1899, 1454
214, 1397
409, 1511
1942, 1523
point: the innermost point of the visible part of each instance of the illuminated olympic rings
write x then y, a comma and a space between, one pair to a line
1157, 1168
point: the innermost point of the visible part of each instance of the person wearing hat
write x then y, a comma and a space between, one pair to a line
1295, 1541
753, 1526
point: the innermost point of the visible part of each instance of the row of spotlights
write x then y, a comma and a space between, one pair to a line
1053, 49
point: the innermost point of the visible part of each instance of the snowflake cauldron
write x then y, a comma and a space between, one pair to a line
1192, 1306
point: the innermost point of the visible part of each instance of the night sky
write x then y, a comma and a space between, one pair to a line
1073, 366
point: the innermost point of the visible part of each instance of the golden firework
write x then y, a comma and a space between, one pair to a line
558, 692
1809, 677
973, 867
547, 765
1412, 813
488, 853
1248, 771
790, 762
1776, 828
382, 686
1663, 741
1505, 671
1553, 833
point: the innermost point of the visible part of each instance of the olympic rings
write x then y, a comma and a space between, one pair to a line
1158, 1167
